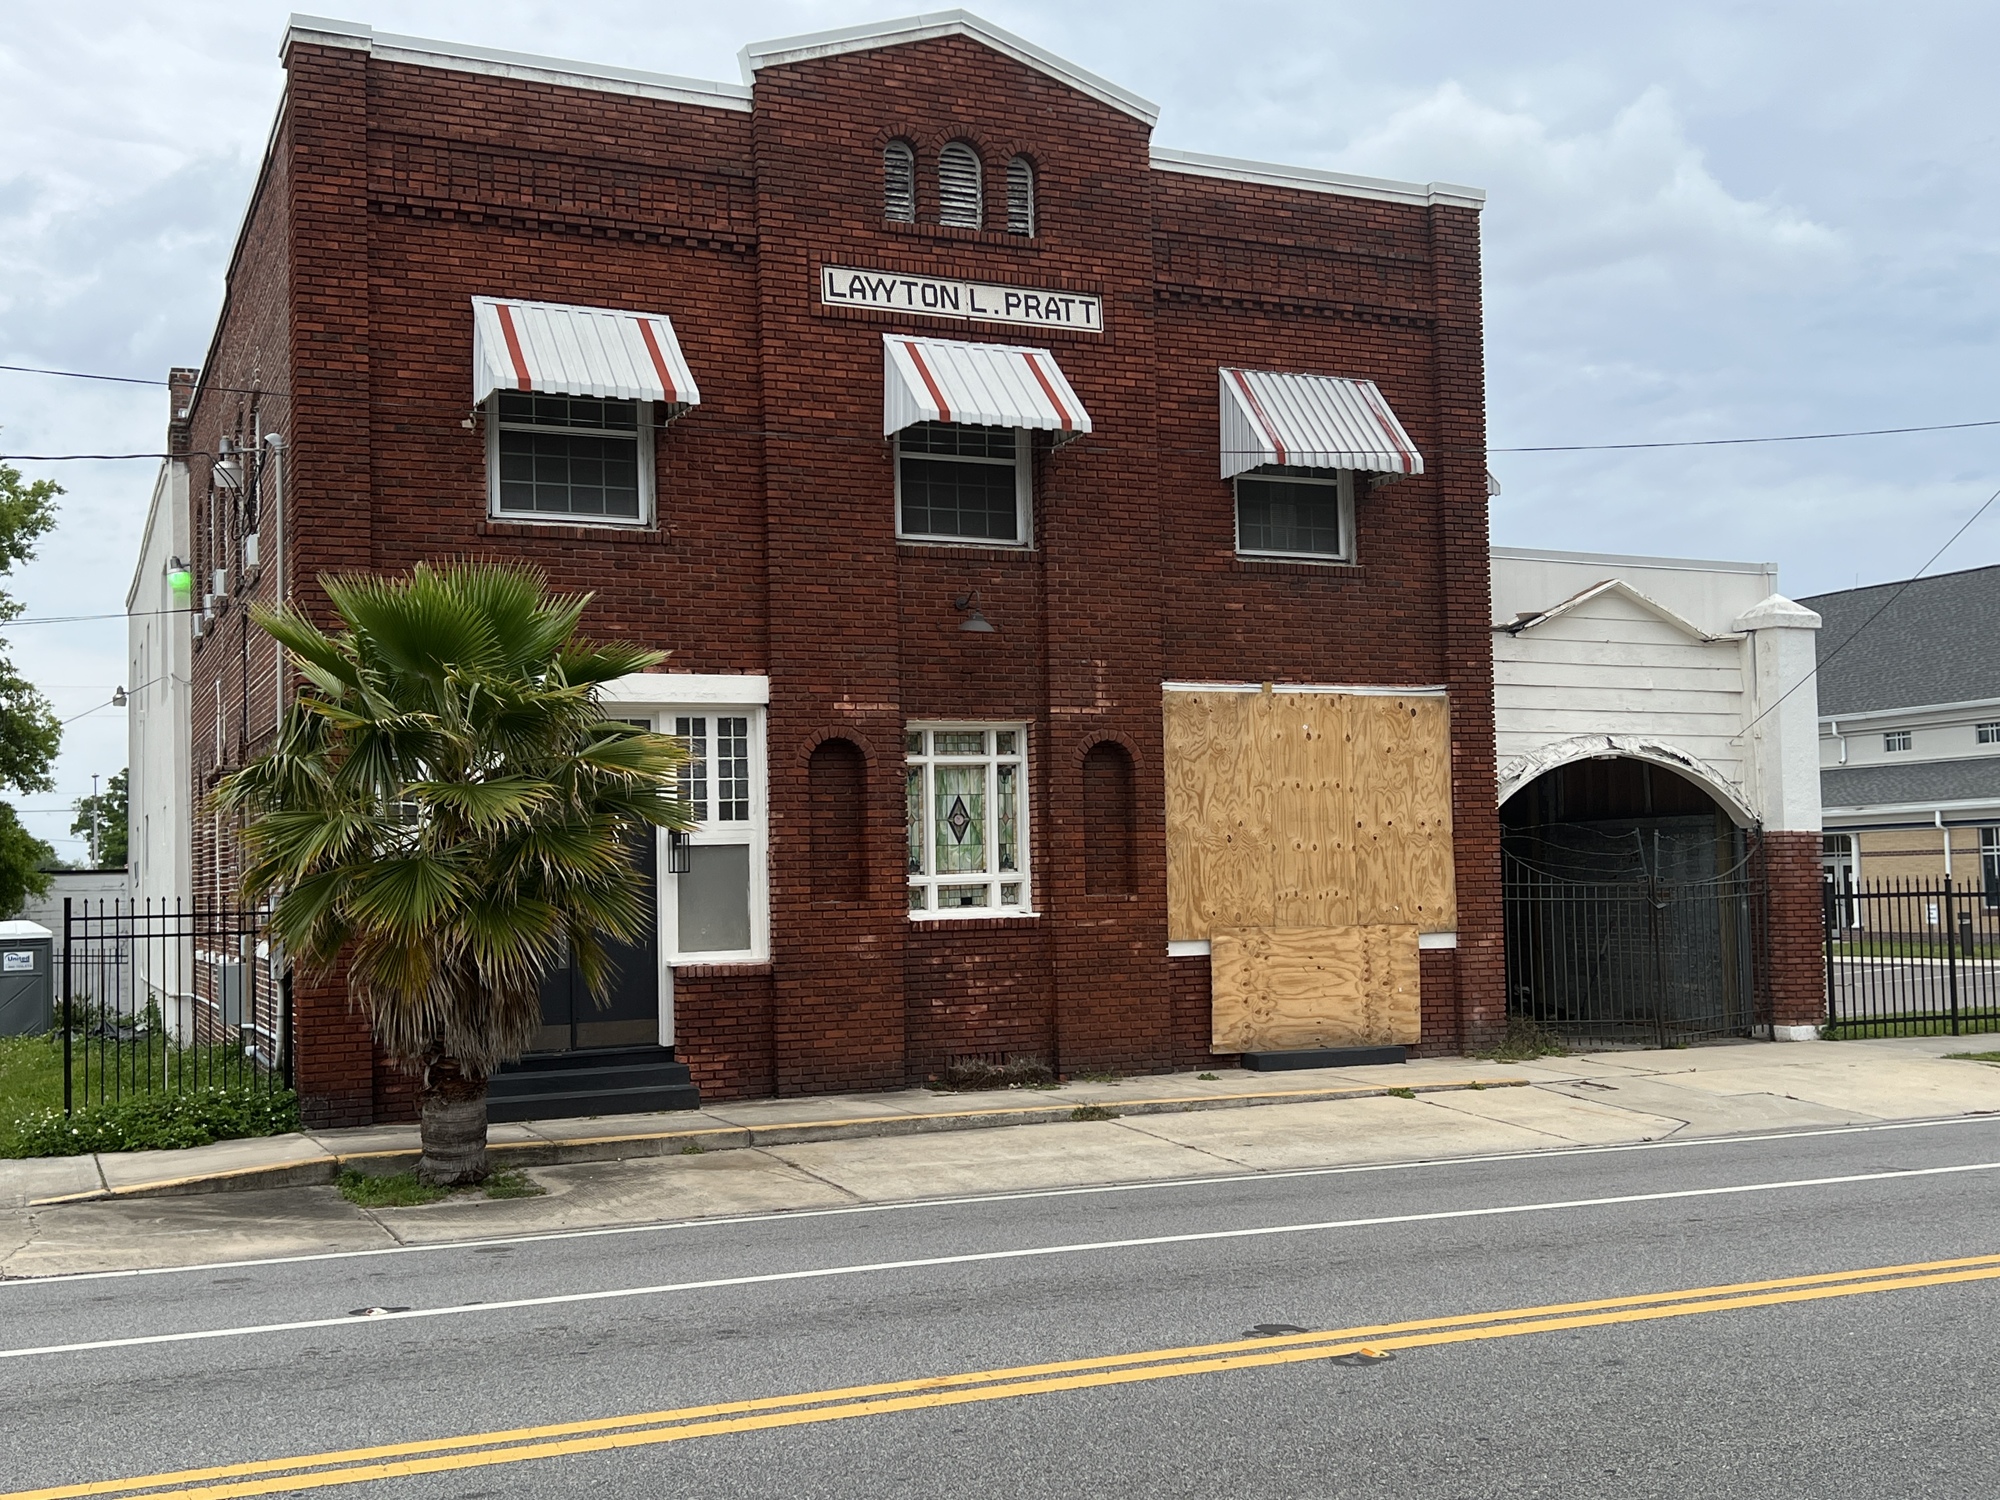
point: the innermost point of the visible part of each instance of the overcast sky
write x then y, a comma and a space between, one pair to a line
1706, 220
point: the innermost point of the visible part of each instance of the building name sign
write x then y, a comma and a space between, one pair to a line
978, 301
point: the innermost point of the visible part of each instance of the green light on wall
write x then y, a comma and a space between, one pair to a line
180, 583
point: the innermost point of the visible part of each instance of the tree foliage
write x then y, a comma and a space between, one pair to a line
24, 863
447, 807
104, 819
30, 733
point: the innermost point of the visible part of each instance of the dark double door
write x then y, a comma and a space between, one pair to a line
630, 1015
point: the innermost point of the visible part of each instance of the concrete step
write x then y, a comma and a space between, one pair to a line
569, 1085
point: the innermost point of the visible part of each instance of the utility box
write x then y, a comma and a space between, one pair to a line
27, 978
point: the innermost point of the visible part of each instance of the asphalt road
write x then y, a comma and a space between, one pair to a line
1881, 1385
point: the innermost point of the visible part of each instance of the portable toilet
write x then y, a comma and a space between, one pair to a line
27, 978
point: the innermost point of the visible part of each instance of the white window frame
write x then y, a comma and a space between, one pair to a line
929, 881
1891, 739
1341, 479
1986, 732
648, 503
1024, 495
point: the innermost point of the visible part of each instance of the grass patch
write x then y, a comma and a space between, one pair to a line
30, 1083
1092, 1112
398, 1190
155, 1122
693, 1148
1886, 946
1111, 1078
512, 1183
1209, 1077
402, 1190
1402, 1093
1524, 1041
1861, 1031
1985, 1057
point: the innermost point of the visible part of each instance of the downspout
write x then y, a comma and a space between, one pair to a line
1937, 817
276, 442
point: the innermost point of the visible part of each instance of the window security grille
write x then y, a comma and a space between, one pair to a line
1896, 739
899, 183
570, 456
958, 483
1020, 196
961, 191
1295, 515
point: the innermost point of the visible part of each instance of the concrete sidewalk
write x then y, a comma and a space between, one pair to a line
160, 1208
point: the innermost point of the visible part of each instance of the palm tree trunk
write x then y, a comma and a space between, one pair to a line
453, 1124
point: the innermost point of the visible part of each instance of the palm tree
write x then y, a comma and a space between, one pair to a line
448, 812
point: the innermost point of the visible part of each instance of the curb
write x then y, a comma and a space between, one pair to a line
317, 1171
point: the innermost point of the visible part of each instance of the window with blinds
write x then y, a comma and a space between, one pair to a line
899, 183
1020, 196
961, 191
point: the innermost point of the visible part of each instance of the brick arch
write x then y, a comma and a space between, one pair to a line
821, 733
1085, 743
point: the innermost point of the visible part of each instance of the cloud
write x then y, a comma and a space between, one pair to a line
1631, 202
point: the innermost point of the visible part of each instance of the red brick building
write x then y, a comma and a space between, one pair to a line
954, 441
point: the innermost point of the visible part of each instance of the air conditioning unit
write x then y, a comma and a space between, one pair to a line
220, 586
197, 624
251, 557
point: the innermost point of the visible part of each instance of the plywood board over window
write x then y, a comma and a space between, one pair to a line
1281, 989
1307, 810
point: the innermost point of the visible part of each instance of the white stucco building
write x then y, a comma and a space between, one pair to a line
159, 850
1701, 668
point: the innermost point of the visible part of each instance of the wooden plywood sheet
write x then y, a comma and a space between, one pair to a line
1307, 810
1280, 989
1219, 808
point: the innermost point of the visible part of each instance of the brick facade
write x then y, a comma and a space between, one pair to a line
395, 193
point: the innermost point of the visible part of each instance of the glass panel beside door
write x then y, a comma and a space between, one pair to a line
715, 904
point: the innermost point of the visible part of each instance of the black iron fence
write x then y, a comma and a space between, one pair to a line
1911, 958
1658, 953
168, 999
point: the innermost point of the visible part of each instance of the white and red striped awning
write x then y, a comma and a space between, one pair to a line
577, 351
1310, 422
981, 385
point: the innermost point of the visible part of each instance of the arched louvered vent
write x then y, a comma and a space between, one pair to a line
1020, 196
899, 183
961, 193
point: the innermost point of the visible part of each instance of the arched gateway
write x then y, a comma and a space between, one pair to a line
1630, 892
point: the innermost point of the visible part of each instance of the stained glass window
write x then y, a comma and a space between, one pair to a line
967, 807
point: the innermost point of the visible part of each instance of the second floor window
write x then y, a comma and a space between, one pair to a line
962, 484
1988, 733
1896, 739
582, 458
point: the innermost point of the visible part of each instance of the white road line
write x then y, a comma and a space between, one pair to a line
979, 1256
21, 1284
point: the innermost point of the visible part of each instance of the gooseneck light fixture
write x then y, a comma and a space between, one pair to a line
975, 619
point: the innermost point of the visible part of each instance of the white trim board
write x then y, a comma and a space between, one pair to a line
1427, 942
1359, 690
459, 57
1311, 180
674, 689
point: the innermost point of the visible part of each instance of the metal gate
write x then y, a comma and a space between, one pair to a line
1632, 956
156, 998
1911, 958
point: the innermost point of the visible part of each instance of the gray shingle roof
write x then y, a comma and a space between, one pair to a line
1938, 642
1922, 781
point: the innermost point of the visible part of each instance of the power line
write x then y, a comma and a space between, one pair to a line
1792, 437
1856, 633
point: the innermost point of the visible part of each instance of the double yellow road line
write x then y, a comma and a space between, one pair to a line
523, 1444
